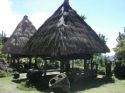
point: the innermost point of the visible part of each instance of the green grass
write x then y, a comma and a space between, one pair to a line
99, 86
96, 86
25, 87
117, 87
6, 79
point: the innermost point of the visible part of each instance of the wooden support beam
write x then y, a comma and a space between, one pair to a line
30, 61
18, 67
85, 64
73, 63
8, 58
62, 66
45, 69
36, 62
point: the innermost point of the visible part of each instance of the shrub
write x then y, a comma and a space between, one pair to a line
16, 75
101, 71
26, 87
34, 75
119, 70
2, 74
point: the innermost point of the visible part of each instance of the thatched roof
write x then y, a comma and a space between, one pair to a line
65, 34
20, 36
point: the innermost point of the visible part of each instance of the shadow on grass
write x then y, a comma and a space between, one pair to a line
42, 85
88, 84
19, 80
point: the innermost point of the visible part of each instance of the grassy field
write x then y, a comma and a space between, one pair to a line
98, 85
101, 86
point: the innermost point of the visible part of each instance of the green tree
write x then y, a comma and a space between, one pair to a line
83, 17
103, 38
120, 48
2, 56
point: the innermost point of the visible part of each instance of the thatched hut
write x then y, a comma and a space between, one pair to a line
23, 32
64, 36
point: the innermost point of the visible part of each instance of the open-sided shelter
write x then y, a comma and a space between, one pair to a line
65, 35
23, 32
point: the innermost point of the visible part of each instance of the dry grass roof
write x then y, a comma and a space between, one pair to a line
20, 36
65, 34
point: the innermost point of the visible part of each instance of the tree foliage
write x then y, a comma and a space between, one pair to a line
103, 38
2, 56
83, 17
120, 48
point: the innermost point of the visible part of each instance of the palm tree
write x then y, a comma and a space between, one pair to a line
83, 17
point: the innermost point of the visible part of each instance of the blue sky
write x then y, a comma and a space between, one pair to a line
104, 16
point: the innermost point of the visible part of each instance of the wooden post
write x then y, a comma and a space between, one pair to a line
8, 58
61, 66
30, 61
36, 62
67, 63
45, 67
73, 63
85, 63
92, 64
18, 67
11, 61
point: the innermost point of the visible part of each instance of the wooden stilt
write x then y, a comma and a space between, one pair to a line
85, 63
11, 61
61, 66
45, 67
67, 63
18, 63
30, 61
92, 64
36, 62
73, 63
8, 58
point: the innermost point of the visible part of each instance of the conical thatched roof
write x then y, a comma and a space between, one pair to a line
65, 34
20, 36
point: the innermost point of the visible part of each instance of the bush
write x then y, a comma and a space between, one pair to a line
2, 74
34, 75
16, 75
119, 70
26, 87
101, 72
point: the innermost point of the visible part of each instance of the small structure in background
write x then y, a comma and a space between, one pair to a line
13, 46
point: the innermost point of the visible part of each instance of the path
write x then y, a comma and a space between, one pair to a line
7, 86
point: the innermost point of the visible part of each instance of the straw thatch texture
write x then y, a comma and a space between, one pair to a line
20, 36
65, 33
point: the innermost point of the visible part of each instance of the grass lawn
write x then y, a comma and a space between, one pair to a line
118, 86
98, 85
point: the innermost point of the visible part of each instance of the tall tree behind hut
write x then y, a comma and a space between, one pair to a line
2, 56
102, 37
120, 48
83, 17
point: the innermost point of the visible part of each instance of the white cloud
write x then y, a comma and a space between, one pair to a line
38, 18
8, 19
111, 37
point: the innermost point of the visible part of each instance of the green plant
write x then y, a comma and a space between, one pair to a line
34, 76
2, 74
119, 70
101, 71
26, 87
